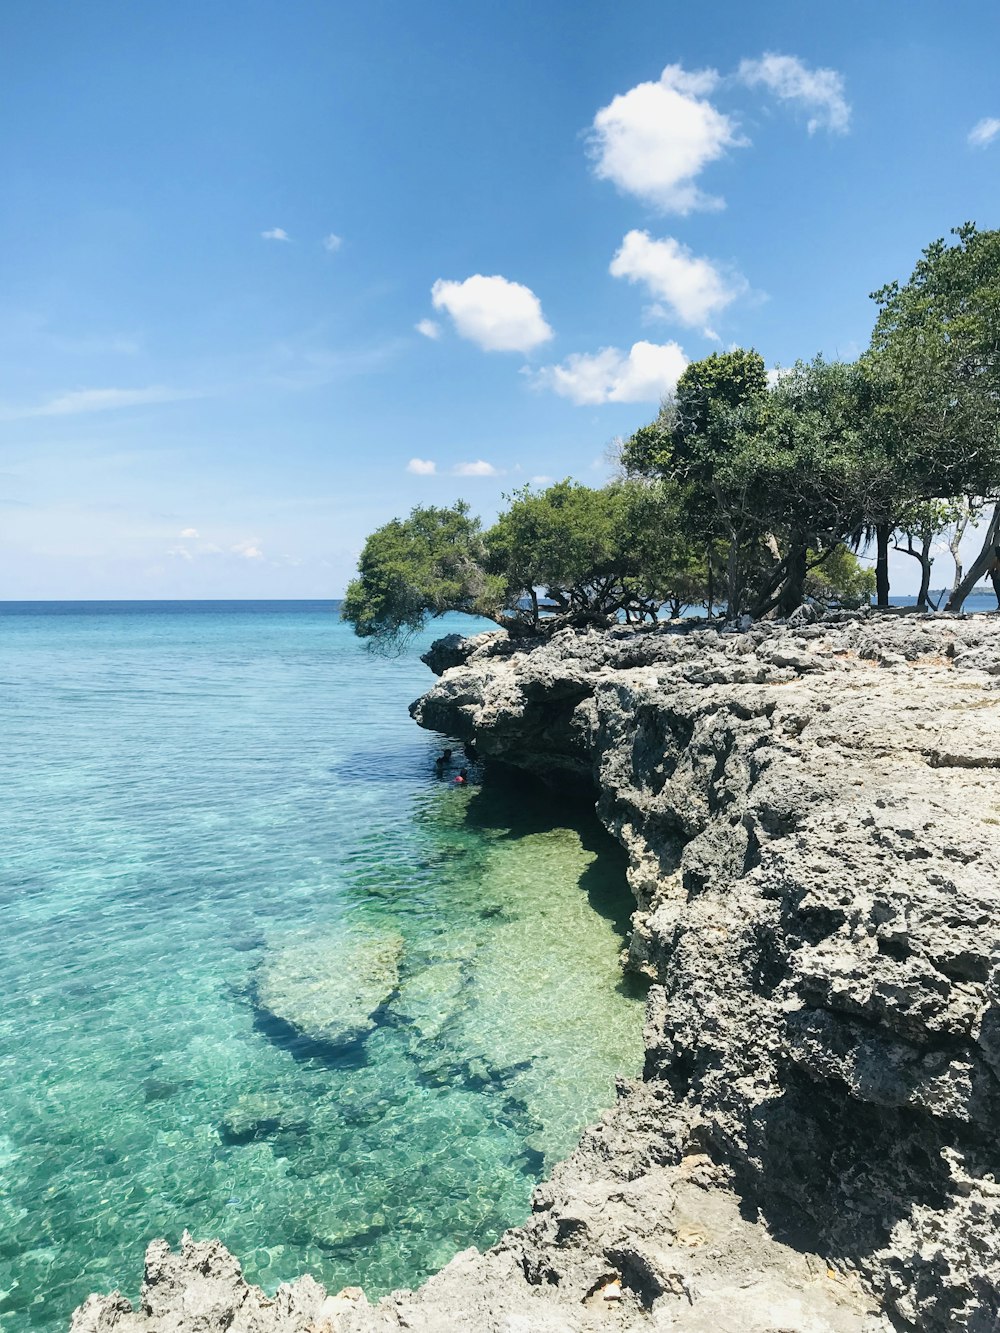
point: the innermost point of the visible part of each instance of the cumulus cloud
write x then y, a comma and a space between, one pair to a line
430, 328
189, 533
249, 549
690, 288
479, 468
643, 375
331, 242
422, 467
496, 314
655, 139
820, 92
984, 132
276, 234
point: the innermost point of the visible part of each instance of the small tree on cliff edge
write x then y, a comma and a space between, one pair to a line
412, 568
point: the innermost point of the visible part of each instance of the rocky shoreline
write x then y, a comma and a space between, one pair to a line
811, 813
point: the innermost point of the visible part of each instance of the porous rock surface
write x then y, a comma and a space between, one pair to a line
811, 813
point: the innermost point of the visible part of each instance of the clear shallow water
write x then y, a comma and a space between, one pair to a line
188, 789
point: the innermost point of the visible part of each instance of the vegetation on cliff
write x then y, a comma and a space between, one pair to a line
749, 490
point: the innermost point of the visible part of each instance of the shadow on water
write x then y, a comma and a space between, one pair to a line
517, 805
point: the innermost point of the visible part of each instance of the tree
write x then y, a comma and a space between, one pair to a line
667, 567
566, 555
842, 579
689, 442
774, 474
936, 351
795, 463
566, 541
425, 565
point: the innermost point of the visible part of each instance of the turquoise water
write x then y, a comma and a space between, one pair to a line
188, 792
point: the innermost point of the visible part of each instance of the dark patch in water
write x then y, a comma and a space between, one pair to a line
160, 1089
288, 1038
247, 944
532, 1162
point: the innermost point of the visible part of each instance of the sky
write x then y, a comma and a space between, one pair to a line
274, 272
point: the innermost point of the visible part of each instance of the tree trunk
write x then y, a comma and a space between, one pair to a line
983, 562
961, 523
733, 578
883, 534
995, 580
926, 561
794, 591
711, 583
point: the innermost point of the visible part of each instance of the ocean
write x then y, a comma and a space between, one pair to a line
192, 792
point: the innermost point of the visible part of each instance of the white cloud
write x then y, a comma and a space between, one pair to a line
189, 533
180, 553
692, 289
819, 91
542, 480
984, 132
422, 467
644, 375
276, 234
496, 314
653, 140
430, 328
98, 400
249, 550
477, 469
331, 242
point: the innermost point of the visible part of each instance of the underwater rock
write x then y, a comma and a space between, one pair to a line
329, 990
259, 1116
430, 997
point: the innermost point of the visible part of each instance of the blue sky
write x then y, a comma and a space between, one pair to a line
225, 226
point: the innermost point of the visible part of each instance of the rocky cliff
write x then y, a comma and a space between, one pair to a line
811, 814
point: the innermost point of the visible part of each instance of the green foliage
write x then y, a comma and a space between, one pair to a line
668, 566
793, 464
418, 567
565, 540
709, 390
840, 579
569, 554
936, 352
593, 553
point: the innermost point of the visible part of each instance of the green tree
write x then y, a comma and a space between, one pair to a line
794, 466
566, 555
936, 352
419, 567
689, 445
773, 474
840, 579
564, 541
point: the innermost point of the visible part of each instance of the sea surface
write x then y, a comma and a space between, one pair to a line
188, 791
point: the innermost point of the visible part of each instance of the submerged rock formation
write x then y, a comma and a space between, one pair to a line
812, 818
325, 993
